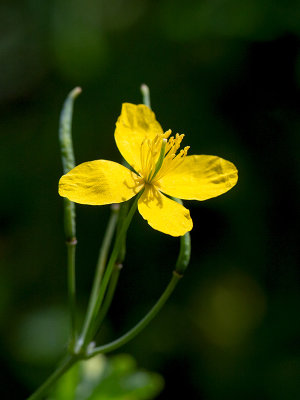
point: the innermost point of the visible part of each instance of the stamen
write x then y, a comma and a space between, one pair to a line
158, 156
171, 160
167, 134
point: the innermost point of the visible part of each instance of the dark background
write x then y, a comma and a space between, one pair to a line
226, 73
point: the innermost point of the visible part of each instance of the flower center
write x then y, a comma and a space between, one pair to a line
158, 156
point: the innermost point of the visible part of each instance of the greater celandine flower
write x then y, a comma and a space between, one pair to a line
158, 168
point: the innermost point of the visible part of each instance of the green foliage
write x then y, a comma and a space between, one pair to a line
102, 378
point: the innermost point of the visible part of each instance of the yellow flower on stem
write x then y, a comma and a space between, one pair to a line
159, 167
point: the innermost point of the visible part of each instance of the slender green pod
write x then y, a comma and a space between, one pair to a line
184, 254
68, 159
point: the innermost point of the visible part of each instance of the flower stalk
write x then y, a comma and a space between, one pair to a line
115, 274
103, 254
108, 298
88, 328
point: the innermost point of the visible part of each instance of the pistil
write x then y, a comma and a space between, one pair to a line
160, 159
158, 156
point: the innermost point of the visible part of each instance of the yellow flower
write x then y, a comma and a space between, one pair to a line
159, 168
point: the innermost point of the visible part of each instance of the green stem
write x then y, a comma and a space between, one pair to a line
68, 161
45, 387
142, 324
123, 211
108, 297
89, 325
122, 215
71, 246
107, 239
109, 233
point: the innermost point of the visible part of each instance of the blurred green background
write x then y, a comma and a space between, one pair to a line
227, 74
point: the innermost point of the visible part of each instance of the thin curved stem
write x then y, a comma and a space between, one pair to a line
122, 213
142, 324
88, 327
109, 233
107, 239
108, 297
71, 246
45, 387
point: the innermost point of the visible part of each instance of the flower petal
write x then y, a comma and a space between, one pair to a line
99, 182
163, 214
135, 123
199, 178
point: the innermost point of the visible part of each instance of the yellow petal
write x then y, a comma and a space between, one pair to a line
99, 182
135, 123
199, 178
163, 214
